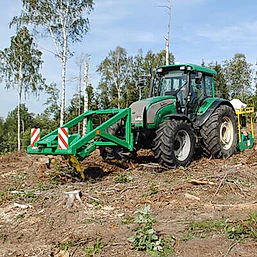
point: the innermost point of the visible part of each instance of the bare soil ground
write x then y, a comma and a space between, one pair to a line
36, 219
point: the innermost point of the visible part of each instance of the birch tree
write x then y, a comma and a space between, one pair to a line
167, 39
238, 74
19, 67
64, 22
115, 70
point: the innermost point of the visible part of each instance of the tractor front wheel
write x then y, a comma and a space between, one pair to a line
219, 133
174, 143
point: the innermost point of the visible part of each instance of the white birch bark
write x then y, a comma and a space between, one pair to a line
167, 43
18, 109
85, 97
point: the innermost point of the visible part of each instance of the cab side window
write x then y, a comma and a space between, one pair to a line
208, 86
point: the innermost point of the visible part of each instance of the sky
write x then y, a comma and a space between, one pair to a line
209, 30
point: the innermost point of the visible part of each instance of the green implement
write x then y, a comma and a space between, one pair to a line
81, 146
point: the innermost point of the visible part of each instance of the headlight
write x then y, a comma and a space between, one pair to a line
139, 118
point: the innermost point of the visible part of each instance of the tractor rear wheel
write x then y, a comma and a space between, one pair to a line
112, 152
219, 133
174, 143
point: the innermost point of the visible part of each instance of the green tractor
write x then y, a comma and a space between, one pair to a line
180, 115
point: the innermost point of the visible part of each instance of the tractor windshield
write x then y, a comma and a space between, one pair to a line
174, 83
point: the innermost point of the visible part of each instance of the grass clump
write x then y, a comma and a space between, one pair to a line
122, 178
236, 230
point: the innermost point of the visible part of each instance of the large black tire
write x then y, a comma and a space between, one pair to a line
111, 153
219, 133
174, 143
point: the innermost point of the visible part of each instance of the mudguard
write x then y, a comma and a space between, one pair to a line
201, 119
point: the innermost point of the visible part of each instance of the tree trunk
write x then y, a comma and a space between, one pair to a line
18, 115
119, 97
167, 52
167, 42
64, 61
85, 97
79, 93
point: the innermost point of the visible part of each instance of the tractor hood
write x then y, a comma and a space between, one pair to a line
146, 111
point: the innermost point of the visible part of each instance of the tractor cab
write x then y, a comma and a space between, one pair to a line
191, 84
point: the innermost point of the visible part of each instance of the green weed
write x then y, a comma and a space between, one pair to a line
65, 245
30, 195
146, 238
3, 197
127, 220
3, 237
96, 248
154, 189
122, 178
239, 230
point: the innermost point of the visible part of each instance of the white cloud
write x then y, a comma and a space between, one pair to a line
144, 37
245, 31
188, 3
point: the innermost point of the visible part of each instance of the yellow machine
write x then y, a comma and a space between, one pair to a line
245, 136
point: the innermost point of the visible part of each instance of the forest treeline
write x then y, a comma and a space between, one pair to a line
65, 23
118, 88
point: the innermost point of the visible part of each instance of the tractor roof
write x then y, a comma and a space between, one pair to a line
192, 67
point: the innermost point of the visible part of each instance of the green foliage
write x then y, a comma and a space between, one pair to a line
29, 195
154, 189
115, 70
243, 229
8, 128
148, 64
221, 88
57, 17
53, 101
20, 63
238, 75
146, 238
75, 108
122, 178
204, 229
96, 248
64, 21
120, 73
237, 230
127, 220
8, 141
19, 66
72, 242
66, 245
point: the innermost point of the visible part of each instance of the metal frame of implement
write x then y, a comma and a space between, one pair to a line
245, 142
81, 146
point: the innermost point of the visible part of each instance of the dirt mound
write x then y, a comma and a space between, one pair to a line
45, 210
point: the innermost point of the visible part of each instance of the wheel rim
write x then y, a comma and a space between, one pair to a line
182, 145
226, 133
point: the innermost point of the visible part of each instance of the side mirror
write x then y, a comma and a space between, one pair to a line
198, 78
142, 80
141, 83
